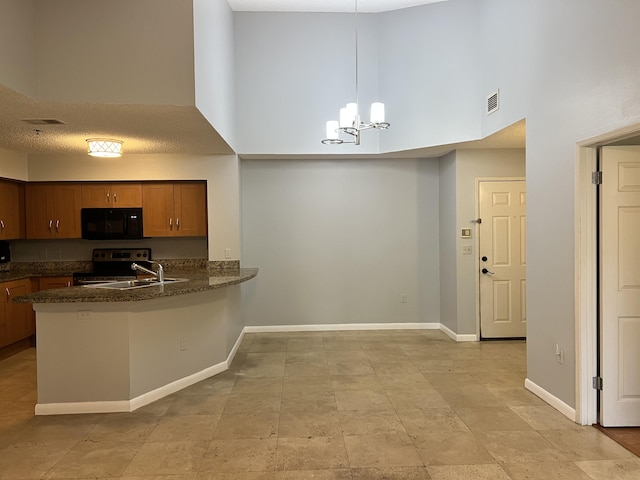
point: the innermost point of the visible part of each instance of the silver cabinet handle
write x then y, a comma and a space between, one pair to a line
50, 225
68, 284
2, 224
171, 224
177, 223
8, 293
107, 196
115, 197
57, 226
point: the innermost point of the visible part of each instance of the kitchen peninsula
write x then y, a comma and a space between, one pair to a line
101, 350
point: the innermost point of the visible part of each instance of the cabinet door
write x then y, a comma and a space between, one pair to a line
49, 283
124, 195
96, 195
67, 201
157, 209
3, 317
17, 314
39, 210
11, 210
190, 209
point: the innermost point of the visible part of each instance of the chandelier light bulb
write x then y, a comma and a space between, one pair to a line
345, 119
332, 129
377, 112
352, 111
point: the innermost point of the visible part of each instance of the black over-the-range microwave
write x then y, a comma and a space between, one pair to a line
111, 223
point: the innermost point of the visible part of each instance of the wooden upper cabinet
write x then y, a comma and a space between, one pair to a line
174, 209
53, 210
190, 209
11, 210
116, 195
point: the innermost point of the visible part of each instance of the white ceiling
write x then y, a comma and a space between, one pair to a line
369, 6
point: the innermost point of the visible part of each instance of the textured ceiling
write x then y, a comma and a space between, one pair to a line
143, 128
370, 6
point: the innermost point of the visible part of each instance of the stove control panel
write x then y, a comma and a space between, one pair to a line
121, 254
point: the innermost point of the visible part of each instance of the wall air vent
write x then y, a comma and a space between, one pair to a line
493, 102
43, 121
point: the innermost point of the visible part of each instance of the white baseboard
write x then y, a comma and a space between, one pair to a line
82, 407
141, 400
552, 400
457, 337
234, 350
341, 326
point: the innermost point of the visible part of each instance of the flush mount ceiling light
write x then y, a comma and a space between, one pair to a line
350, 122
104, 147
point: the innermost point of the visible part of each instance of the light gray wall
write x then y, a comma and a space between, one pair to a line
336, 241
214, 65
448, 258
428, 259
571, 68
18, 31
293, 73
295, 70
135, 52
429, 67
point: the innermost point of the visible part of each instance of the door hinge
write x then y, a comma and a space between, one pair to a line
596, 178
597, 383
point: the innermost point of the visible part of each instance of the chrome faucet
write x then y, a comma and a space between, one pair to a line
159, 274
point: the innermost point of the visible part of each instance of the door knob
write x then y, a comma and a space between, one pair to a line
485, 271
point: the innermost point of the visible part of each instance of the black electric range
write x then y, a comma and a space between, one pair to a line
113, 265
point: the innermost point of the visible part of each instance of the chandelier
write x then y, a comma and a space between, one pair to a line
350, 122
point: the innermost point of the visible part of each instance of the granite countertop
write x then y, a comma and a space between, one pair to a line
200, 280
18, 271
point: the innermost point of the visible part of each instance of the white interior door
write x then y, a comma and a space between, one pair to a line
502, 242
620, 286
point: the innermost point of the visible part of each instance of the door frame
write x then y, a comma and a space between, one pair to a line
476, 242
586, 270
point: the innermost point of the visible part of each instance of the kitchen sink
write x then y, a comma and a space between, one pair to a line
139, 283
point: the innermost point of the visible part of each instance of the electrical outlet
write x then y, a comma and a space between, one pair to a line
227, 253
403, 298
85, 314
467, 250
183, 343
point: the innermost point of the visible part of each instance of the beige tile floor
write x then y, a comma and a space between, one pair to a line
407, 405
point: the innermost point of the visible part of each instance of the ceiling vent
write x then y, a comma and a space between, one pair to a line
43, 121
493, 102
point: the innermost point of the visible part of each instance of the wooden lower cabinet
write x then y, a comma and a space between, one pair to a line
17, 320
49, 283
